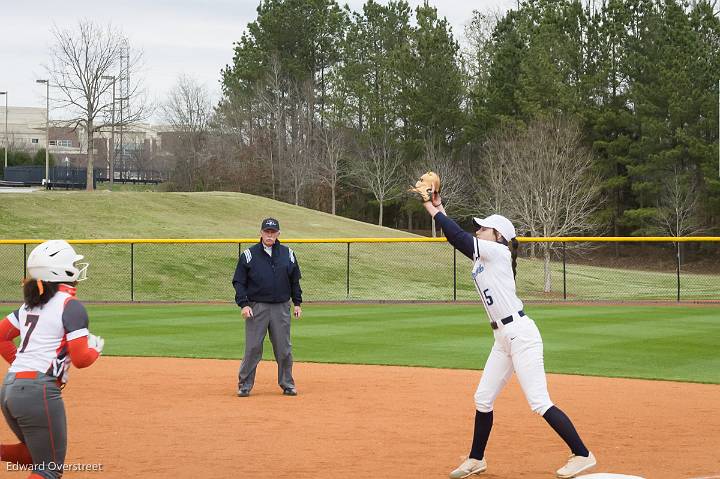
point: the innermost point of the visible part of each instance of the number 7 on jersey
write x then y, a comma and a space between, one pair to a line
31, 320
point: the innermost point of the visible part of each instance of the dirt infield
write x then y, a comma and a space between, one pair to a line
180, 418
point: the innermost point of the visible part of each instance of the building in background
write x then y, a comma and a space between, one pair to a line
65, 147
138, 152
26, 128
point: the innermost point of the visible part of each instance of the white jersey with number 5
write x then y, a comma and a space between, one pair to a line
45, 332
493, 278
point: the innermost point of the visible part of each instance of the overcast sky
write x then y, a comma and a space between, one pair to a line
176, 36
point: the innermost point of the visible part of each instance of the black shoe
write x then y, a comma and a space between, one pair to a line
289, 392
243, 393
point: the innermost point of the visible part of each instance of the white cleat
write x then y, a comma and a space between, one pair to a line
469, 467
576, 465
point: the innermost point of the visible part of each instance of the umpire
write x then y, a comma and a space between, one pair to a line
266, 278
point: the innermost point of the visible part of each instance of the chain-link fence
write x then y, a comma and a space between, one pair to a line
423, 269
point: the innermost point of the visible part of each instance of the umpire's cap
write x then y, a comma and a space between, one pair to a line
270, 224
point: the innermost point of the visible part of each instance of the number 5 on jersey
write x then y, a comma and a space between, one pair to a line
486, 296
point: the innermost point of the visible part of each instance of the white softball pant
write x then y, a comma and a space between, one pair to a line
518, 347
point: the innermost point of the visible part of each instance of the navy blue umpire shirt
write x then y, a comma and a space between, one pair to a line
262, 278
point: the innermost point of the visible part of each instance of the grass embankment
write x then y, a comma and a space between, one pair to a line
398, 271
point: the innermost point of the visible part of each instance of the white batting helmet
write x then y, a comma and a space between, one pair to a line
54, 261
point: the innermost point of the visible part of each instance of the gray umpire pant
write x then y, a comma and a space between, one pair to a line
34, 410
275, 319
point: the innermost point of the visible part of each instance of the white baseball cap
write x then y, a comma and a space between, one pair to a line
498, 222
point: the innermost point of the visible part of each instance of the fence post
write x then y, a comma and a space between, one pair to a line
564, 273
24, 260
678, 271
132, 272
347, 273
454, 274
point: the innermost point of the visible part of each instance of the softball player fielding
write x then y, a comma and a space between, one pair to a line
518, 346
53, 329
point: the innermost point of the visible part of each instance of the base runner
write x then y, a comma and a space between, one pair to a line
53, 329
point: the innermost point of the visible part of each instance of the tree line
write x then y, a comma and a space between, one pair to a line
603, 116
571, 117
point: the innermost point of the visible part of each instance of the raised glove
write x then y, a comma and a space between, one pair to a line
428, 184
96, 342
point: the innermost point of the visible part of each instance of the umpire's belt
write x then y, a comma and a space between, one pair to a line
508, 320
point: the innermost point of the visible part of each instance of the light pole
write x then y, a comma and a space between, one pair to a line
47, 132
6, 135
111, 174
122, 144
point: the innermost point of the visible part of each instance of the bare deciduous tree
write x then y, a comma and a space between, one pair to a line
301, 138
546, 181
677, 213
331, 161
272, 98
677, 209
79, 59
492, 192
282, 113
379, 171
188, 110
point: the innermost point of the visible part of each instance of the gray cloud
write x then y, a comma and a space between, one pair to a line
176, 36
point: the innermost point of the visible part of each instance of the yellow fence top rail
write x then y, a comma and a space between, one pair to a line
621, 239
569, 239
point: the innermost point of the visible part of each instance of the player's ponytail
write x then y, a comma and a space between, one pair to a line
513, 246
37, 293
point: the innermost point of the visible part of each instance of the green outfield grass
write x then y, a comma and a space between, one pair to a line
663, 342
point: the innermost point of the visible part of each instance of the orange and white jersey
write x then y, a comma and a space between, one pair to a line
45, 332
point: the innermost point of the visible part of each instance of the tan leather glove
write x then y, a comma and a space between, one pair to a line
428, 184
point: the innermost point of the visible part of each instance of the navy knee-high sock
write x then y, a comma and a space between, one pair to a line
483, 424
562, 425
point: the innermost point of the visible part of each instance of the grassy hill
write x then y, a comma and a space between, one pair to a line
181, 272
123, 214
201, 272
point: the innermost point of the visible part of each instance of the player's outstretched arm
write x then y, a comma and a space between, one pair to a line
431, 208
434, 206
456, 236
